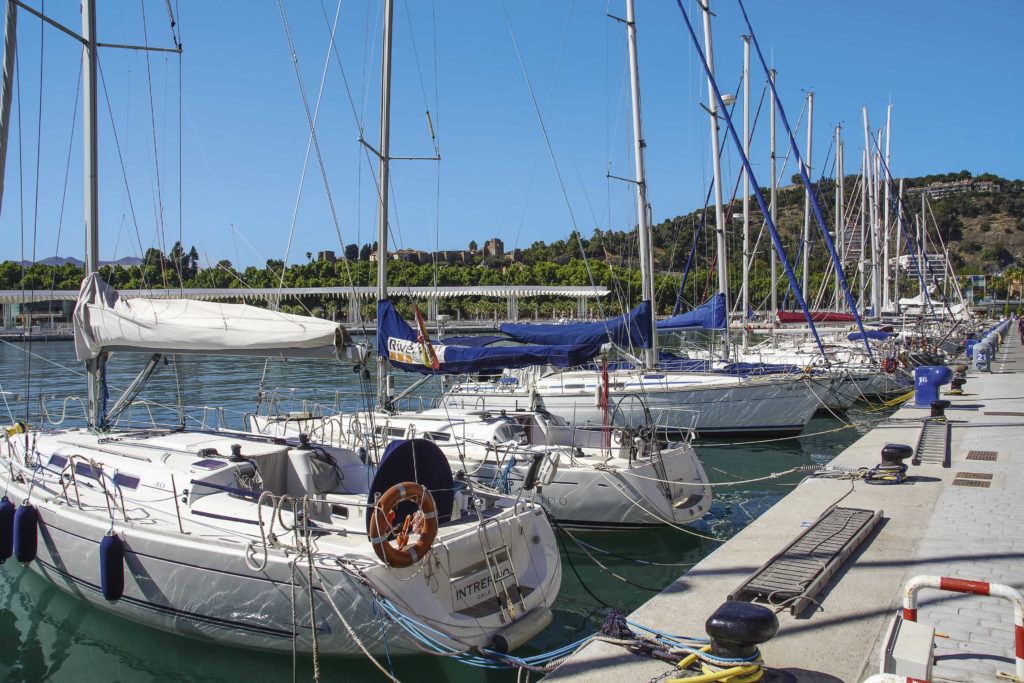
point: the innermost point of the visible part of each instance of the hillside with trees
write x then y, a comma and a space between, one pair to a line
983, 231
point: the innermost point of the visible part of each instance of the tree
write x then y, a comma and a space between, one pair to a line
472, 245
352, 252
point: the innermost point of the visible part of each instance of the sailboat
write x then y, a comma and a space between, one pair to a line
726, 402
252, 541
621, 474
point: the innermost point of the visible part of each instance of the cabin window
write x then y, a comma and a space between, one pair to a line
86, 470
126, 481
58, 461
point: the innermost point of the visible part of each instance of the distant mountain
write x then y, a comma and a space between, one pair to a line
78, 263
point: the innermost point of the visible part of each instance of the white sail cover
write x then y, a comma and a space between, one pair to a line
105, 321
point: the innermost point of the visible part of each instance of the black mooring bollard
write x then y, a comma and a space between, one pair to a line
736, 628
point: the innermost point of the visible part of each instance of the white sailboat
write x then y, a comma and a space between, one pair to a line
616, 476
252, 541
723, 403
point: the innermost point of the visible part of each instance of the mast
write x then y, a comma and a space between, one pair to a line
877, 234
384, 181
723, 274
746, 186
774, 211
922, 234
863, 225
805, 281
839, 213
7, 87
885, 207
643, 226
899, 241
869, 190
95, 368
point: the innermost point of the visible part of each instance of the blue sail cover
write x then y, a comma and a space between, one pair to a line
632, 329
869, 334
710, 315
398, 342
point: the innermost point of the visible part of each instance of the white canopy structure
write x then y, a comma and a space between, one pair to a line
106, 321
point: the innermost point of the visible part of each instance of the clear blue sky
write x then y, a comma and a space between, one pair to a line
950, 69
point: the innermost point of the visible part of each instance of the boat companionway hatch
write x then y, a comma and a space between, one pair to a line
933, 444
795, 575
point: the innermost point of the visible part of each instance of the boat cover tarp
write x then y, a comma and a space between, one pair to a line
710, 315
877, 335
420, 461
816, 316
106, 321
473, 342
631, 329
400, 344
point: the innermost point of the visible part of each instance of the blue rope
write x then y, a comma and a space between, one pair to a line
501, 480
383, 636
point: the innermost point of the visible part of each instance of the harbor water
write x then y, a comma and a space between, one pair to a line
49, 635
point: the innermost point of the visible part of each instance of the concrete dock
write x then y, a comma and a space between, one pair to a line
929, 526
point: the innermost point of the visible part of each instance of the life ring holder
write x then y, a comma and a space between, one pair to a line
890, 365
380, 526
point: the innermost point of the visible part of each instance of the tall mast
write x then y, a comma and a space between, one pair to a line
746, 185
7, 86
774, 211
876, 234
922, 234
805, 281
863, 225
899, 243
646, 261
839, 215
869, 189
723, 273
95, 368
384, 182
885, 207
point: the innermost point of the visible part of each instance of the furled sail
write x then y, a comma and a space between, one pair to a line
710, 315
408, 350
631, 329
106, 321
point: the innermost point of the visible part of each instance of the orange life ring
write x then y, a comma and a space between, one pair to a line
890, 365
380, 525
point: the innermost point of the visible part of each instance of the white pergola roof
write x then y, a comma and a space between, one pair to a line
17, 296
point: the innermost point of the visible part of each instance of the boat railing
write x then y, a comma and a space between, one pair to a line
418, 403
70, 474
288, 401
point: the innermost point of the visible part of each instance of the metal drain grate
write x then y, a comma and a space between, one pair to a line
796, 574
982, 455
972, 475
977, 483
933, 444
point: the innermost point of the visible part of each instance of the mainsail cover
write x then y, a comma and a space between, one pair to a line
817, 316
106, 321
632, 329
399, 343
710, 315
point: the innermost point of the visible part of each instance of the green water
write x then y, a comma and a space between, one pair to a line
48, 635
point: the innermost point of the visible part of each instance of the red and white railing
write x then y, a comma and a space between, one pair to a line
974, 588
